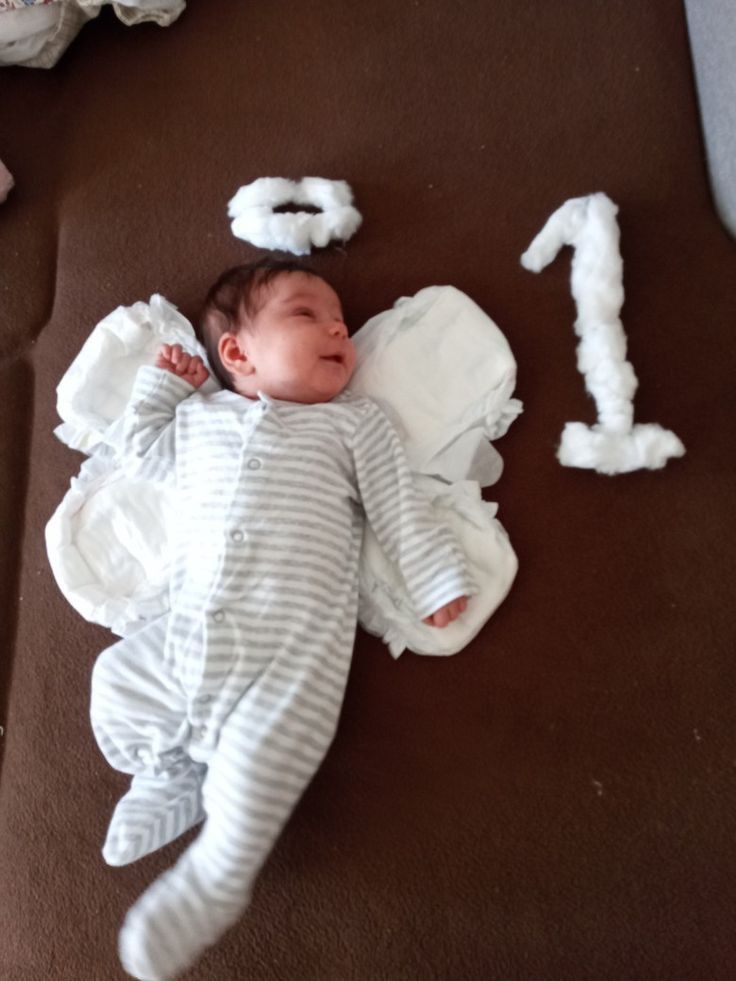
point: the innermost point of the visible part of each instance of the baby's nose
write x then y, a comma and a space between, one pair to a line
338, 329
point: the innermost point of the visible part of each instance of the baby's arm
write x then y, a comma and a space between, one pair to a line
146, 435
429, 558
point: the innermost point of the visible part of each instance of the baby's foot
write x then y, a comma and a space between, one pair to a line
155, 811
176, 919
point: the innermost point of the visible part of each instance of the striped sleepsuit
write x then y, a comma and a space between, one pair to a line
224, 708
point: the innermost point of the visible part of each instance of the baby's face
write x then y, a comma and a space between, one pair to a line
297, 343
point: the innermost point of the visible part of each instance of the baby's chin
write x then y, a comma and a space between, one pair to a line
326, 389
305, 396
323, 395
321, 386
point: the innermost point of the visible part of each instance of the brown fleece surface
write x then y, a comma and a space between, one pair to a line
556, 802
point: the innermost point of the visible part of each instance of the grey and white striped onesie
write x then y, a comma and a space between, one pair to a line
225, 707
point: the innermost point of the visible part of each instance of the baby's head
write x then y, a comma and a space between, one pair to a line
276, 327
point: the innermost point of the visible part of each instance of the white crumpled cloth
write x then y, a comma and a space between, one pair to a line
108, 541
6, 181
36, 33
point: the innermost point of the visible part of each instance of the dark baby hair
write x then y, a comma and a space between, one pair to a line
233, 299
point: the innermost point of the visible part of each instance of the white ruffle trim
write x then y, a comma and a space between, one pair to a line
614, 444
254, 219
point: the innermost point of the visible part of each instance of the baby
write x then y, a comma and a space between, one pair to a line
225, 707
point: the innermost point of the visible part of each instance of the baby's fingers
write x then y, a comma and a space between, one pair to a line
442, 617
175, 354
198, 373
163, 358
457, 607
165, 364
448, 613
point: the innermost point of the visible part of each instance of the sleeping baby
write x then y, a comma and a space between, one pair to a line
224, 708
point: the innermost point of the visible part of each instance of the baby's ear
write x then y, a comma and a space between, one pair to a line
232, 355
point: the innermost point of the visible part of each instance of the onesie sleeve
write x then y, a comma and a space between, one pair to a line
424, 549
145, 436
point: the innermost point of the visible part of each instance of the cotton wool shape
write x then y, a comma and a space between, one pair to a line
614, 444
254, 219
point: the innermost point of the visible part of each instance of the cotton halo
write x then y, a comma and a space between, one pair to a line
254, 219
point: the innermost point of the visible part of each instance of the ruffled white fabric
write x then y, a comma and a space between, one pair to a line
108, 541
385, 608
614, 444
255, 221
96, 387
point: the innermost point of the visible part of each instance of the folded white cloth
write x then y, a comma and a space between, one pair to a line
108, 541
443, 373
108, 545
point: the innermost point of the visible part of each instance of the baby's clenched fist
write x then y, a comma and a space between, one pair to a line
190, 367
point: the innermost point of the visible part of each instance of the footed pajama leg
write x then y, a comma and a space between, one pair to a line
268, 751
139, 719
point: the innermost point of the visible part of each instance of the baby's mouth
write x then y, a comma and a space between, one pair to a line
335, 358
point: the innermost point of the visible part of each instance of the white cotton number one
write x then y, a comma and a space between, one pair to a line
614, 444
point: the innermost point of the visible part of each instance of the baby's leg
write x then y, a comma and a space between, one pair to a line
268, 751
139, 719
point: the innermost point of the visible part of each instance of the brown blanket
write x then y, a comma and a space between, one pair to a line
556, 802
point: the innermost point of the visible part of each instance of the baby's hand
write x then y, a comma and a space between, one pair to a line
446, 614
171, 357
